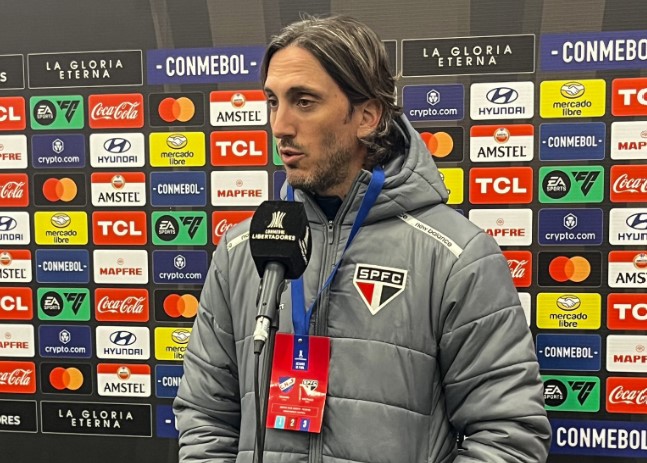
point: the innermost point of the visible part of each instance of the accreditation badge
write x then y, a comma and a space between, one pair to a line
299, 382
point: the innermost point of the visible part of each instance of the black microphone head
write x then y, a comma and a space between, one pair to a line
279, 232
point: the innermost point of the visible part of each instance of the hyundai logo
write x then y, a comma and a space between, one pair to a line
7, 223
502, 95
116, 145
638, 221
123, 338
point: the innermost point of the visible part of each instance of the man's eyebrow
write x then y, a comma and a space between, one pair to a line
298, 90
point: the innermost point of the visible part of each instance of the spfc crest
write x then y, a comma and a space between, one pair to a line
378, 285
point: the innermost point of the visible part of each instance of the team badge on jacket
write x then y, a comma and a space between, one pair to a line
378, 285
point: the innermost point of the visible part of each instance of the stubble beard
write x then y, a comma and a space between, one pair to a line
331, 171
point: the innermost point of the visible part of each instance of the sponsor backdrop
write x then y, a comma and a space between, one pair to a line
133, 134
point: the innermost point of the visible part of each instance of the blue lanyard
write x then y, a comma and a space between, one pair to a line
300, 316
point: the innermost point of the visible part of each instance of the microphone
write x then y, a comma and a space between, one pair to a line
280, 242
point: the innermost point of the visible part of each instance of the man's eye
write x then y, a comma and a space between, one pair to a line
302, 102
272, 103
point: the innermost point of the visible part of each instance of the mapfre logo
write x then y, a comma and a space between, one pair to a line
13, 151
14, 191
239, 148
509, 227
627, 395
512, 185
121, 305
119, 228
17, 377
629, 97
627, 311
224, 220
122, 266
12, 113
239, 188
520, 265
628, 183
16, 304
628, 140
627, 353
123, 111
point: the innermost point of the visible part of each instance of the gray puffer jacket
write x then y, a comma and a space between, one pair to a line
447, 351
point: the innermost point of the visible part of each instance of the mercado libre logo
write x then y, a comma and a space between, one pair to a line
444, 143
176, 109
57, 112
62, 190
569, 269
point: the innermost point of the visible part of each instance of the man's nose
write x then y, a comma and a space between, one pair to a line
282, 122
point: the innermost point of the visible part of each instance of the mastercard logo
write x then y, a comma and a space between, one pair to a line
439, 144
176, 109
185, 305
63, 189
575, 269
66, 378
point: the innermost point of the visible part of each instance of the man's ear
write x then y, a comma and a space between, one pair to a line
371, 113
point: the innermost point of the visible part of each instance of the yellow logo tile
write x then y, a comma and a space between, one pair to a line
453, 178
61, 228
177, 149
572, 98
569, 311
170, 343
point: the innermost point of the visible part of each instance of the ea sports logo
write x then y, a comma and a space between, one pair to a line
171, 109
44, 112
502, 95
123, 338
556, 184
7, 223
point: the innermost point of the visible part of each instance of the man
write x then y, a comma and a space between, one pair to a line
428, 337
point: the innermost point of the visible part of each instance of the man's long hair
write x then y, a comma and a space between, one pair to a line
355, 58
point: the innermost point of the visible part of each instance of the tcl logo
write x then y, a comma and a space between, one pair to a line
116, 111
629, 97
119, 228
239, 148
12, 113
224, 220
501, 186
628, 183
627, 395
520, 265
126, 305
627, 311
16, 304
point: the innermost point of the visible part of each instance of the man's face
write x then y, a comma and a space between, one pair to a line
317, 135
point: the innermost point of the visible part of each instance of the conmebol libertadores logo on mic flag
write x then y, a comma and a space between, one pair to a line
279, 232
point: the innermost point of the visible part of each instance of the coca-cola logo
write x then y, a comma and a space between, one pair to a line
17, 377
12, 190
128, 305
620, 395
517, 267
222, 227
126, 110
626, 184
